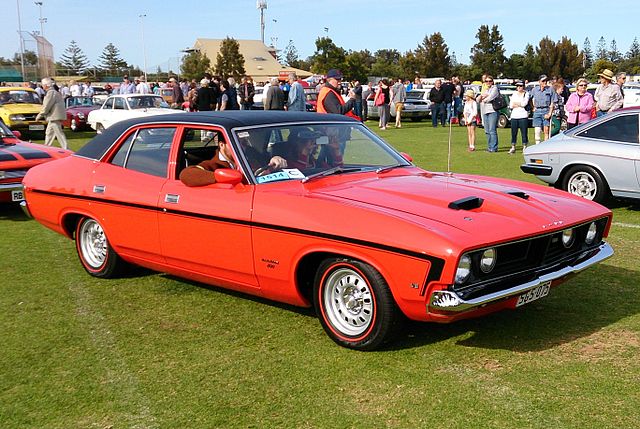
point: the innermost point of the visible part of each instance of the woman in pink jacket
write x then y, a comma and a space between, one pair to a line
579, 105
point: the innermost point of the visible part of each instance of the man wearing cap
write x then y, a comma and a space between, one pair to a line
544, 101
608, 96
126, 87
329, 98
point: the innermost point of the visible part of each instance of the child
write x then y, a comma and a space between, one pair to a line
470, 114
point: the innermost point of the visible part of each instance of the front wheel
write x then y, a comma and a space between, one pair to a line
74, 125
96, 254
99, 128
502, 121
586, 182
354, 304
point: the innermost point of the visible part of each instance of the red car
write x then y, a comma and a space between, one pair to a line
78, 109
350, 226
16, 157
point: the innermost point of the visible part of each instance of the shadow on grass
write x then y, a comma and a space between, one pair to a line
13, 212
629, 204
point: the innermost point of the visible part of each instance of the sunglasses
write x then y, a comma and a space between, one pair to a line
582, 84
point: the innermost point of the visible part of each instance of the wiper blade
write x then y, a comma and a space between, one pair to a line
389, 168
331, 171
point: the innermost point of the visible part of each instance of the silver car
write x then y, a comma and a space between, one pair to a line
595, 160
416, 107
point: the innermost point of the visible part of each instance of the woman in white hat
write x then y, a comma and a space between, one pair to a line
470, 113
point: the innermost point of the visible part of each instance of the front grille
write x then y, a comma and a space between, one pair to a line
525, 260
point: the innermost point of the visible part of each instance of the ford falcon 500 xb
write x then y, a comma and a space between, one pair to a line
350, 226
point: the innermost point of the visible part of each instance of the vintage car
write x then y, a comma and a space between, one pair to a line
19, 107
416, 107
78, 109
350, 227
595, 160
126, 106
16, 157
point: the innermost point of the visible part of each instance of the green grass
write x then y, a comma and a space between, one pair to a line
154, 351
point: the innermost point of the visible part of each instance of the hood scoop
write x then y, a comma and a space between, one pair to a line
519, 194
467, 203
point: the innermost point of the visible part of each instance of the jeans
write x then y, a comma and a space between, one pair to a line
600, 113
449, 109
490, 122
357, 109
522, 125
437, 112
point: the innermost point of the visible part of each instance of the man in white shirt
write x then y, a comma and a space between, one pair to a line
141, 86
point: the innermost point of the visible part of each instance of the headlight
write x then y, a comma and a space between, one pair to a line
464, 269
17, 117
80, 115
591, 233
488, 260
567, 237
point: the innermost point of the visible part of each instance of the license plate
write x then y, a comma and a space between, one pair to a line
17, 195
537, 292
36, 127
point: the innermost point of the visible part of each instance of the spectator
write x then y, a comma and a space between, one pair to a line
141, 86
126, 87
357, 105
544, 101
457, 96
329, 98
87, 90
178, 98
558, 111
470, 114
519, 116
580, 105
228, 97
75, 89
448, 90
192, 97
233, 94
367, 94
436, 96
205, 99
247, 91
274, 99
621, 78
184, 87
64, 90
417, 84
398, 97
54, 112
296, 99
608, 96
489, 115
383, 102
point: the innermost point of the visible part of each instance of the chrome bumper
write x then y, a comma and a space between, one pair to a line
8, 187
449, 301
25, 209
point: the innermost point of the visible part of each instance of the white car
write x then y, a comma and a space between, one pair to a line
631, 95
120, 107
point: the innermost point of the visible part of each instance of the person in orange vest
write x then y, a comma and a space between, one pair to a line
330, 100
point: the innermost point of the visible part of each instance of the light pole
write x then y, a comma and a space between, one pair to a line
262, 5
42, 20
144, 49
21, 40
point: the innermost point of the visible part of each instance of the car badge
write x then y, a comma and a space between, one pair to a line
552, 224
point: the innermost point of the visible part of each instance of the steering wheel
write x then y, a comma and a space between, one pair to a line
264, 170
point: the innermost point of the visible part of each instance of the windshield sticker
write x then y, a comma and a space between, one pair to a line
243, 135
284, 174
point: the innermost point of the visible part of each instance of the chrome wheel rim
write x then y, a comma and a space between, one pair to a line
348, 302
583, 185
74, 125
93, 243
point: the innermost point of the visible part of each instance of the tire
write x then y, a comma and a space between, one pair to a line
503, 121
99, 128
96, 254
354, 304
416, 119
586, 182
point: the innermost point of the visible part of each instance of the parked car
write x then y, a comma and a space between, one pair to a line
631, 95
78, 109
100, 94
595, 160
120, 107
19, 107
359, 232
16, 158
416, 107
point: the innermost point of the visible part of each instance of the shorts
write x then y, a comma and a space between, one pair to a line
539, 119
399, 106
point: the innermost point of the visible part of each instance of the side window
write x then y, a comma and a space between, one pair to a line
198, 145
119, 103
146, 151
621, 128
108, 104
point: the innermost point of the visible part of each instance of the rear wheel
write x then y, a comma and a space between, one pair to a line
586, 182
502, 121
96, 254
354, 304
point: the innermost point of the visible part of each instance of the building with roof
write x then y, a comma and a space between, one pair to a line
259, 59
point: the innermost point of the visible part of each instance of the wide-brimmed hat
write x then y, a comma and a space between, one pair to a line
470, 93
607, 74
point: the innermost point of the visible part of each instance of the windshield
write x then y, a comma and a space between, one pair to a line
312, 149
80, 101
4, 131
415, 95
19, 96
146, 102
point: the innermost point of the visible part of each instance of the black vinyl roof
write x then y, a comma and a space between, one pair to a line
229, 119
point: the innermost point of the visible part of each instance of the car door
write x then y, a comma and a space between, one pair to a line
205, 231
614, 148
127, 188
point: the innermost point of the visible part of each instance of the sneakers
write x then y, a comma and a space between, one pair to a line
512, 150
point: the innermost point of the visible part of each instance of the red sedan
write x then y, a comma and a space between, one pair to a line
349, 226
16, 158
78, 109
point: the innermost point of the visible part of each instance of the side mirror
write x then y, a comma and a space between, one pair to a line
228, 176
18, 134
406, 156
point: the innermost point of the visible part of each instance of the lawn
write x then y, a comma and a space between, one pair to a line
154, 351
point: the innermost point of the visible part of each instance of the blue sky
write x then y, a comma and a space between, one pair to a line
170, 27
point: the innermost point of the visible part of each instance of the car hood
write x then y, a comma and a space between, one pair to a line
16, 108
509, 209
82, 109
14, 151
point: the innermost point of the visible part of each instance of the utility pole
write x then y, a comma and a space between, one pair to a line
21, 40
144, 48
262, 5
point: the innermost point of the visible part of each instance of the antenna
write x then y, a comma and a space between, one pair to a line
449, 151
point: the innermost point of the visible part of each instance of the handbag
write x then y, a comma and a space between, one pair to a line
499, 102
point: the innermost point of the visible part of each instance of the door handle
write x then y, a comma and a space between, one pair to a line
99, 189
172, 198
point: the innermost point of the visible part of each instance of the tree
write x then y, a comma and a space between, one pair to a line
614, 54
530, 65
387, 63
30, 58
599, 66
110, 60
488, 53
230, 62
432, 56
547, 55
569, 61
588, 53
327, 56
73, 59
194, 65
634, 50
291, 55
358, 65
514, 66
601, 50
